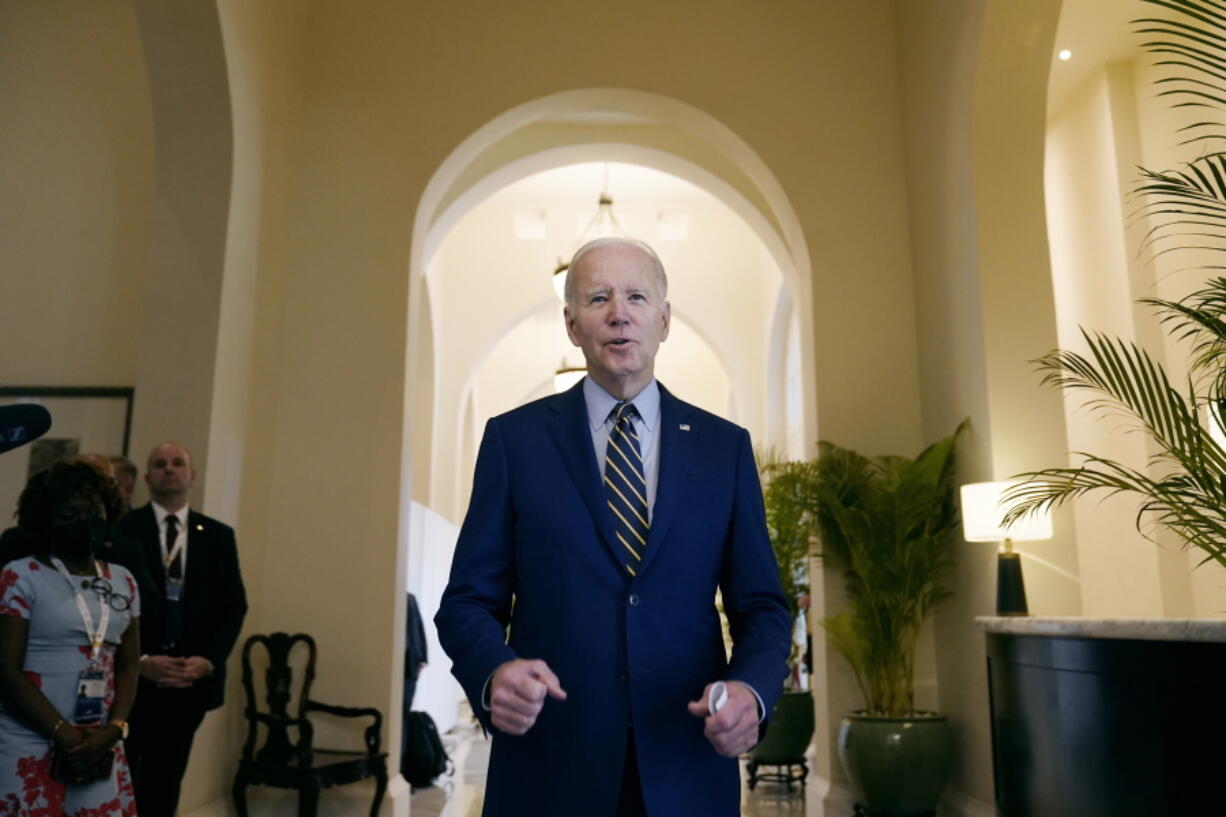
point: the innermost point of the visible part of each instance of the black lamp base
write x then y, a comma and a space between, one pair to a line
1010, 589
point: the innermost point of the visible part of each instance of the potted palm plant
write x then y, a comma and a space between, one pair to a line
1183, 489
888, 525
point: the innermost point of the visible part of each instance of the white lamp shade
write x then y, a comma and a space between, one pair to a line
982, 511
1213, 421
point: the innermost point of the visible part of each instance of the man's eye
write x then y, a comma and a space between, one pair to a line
598, 299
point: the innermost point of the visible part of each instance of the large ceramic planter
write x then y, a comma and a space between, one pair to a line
898, 766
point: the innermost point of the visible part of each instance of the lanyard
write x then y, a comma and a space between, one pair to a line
95, 636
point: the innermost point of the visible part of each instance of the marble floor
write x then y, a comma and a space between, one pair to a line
461, 793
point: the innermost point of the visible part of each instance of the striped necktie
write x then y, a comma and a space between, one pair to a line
626, 485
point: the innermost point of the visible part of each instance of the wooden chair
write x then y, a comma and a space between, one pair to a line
289, 764
783, 747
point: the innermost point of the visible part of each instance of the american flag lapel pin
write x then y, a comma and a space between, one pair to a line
685, 426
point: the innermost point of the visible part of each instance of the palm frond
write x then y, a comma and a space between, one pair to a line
887, 524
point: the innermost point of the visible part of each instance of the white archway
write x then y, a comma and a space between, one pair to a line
699, 149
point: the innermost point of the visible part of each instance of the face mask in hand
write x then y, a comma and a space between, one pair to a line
80, 536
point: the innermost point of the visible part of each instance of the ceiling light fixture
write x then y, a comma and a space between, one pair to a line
603, 225
567, 376
1065, 54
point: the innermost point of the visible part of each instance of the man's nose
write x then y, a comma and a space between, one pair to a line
617, 310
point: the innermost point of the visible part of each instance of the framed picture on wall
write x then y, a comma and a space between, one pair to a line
84, 420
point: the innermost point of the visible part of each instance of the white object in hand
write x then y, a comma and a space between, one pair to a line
717, 697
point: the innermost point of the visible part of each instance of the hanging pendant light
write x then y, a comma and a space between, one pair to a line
567, 376
603, 225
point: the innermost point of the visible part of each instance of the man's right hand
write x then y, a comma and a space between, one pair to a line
517, 693
164, 670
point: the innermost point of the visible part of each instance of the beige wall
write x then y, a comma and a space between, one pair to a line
1093, 149
974, 93
77, 178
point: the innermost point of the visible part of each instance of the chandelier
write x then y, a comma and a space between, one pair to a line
603, 225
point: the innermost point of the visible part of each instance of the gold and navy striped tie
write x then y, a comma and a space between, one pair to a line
626, 485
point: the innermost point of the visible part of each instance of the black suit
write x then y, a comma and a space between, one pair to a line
165, 720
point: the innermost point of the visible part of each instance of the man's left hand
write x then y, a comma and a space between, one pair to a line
734, 729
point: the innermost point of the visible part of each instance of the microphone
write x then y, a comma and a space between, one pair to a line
21, 423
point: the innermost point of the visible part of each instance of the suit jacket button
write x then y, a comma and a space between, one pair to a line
633, 600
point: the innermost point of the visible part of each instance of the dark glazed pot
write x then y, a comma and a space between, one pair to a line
898, 766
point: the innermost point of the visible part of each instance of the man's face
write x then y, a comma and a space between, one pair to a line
170, 470
618, 318
126, 486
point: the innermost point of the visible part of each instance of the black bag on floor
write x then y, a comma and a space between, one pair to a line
424, 757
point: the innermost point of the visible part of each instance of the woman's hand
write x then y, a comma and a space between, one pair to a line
97, 741
81, 760
67, 737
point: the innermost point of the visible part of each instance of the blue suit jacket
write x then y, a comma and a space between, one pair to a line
538, 573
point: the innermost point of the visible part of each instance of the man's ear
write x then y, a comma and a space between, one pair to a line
570, 326
668, 313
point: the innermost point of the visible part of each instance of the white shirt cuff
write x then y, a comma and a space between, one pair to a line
761, 706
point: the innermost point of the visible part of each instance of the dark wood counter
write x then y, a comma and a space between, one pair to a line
1107, 718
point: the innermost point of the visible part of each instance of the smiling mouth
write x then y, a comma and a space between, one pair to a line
620, 342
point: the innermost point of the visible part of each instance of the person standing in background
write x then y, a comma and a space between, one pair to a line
201, 600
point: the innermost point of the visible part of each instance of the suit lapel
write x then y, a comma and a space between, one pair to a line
677, 438
150, 538
569, 428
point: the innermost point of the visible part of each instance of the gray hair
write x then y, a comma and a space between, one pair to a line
601, 243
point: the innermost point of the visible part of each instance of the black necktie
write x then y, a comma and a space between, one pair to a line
174, 566
174, 586
626, 485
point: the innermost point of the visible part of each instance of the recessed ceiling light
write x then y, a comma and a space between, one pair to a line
1065, 54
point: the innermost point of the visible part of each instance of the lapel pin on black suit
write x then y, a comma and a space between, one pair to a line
684, 426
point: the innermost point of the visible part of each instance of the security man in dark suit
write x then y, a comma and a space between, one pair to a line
201, 603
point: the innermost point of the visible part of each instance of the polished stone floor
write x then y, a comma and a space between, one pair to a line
460, 794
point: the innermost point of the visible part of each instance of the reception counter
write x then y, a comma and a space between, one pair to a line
1107, 717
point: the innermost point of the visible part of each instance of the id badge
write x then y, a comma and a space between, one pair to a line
91, 690
174, 589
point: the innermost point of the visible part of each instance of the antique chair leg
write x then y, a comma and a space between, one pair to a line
380, 788
308, 799
239, 794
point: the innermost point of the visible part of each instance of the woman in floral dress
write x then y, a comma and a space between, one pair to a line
68, 624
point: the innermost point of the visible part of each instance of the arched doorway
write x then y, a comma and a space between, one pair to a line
463, 338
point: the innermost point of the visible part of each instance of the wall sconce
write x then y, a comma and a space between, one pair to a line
982, 511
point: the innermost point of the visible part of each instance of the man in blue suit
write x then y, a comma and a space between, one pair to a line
581, 613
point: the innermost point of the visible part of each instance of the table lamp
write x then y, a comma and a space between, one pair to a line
982, 512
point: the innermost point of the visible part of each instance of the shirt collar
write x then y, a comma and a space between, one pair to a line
600, 403
161, 513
